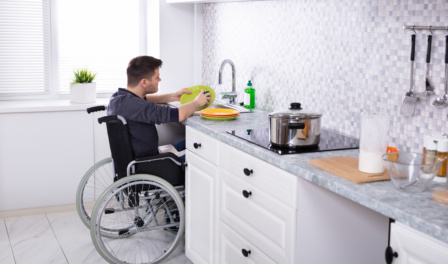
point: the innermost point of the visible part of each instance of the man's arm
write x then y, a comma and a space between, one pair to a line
187, 110
168, 97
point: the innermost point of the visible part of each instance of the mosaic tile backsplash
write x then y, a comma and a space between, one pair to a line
335, 57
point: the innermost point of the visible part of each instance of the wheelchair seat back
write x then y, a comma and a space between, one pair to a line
120, 144
164, 165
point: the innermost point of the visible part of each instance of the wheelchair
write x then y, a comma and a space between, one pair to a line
133, 215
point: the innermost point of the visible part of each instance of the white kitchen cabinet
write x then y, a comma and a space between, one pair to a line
201, 200
43, 156
414, 247
265, 222
258, 201
237, 203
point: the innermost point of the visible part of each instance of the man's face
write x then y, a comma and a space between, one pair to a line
152, 85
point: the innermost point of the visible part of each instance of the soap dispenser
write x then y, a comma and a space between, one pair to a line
249, 96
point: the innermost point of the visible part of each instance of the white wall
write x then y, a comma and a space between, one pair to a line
176, 46
43, 157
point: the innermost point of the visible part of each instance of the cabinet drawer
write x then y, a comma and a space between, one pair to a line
231, 247
263, 221
275, 182
202, 145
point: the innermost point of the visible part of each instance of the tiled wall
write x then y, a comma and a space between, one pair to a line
335, 57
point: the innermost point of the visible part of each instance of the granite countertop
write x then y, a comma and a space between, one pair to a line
416, 210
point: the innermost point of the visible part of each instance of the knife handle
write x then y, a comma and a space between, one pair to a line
446, 49
428, 52
412, 47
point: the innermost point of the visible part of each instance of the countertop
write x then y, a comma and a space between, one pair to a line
416, 210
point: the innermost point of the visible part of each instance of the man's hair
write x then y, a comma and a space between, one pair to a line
141, 67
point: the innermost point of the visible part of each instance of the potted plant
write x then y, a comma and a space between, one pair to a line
83, 89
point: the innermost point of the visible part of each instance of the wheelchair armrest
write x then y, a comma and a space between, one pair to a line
159, 156
162, 156
96, 109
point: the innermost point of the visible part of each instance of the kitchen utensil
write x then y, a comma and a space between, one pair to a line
347, 168
294, 128
410, 173
429, 88
410, 100
373, 142
442, 101
195, 90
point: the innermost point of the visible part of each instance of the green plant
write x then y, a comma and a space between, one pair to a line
83, 76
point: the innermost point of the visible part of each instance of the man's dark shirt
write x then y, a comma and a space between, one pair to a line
142, 116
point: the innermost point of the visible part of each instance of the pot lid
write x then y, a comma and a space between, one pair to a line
294, 111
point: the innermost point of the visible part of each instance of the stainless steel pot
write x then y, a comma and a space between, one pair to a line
294, 128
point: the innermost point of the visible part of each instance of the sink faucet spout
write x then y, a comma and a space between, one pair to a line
230, 95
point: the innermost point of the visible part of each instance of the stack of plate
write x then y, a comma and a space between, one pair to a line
220, 114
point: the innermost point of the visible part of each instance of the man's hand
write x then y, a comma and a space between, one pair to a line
188, 109
202, 98
179, 93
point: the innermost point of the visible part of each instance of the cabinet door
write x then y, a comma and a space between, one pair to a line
201, 205
414, 247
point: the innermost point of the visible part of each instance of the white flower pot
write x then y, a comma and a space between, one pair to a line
83, 93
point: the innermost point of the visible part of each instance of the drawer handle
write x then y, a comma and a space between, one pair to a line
246, 193
390, 254
245, 252
247, 171
197, 145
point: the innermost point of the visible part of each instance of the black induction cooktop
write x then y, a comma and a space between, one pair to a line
329, 140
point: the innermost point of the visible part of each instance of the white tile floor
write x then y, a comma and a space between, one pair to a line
53, 238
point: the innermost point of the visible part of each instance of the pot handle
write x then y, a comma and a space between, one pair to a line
296, 125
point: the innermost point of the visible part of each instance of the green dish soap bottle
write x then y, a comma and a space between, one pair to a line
249, 96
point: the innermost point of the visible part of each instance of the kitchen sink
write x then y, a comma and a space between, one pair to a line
219, 104
226, 105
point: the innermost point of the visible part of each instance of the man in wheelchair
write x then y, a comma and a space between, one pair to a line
142, 107
139, 218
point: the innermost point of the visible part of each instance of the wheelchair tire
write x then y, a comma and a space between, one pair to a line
97, 179
135, 228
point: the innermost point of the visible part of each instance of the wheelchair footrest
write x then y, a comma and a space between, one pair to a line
109, 211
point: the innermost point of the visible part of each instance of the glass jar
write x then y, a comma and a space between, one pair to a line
373, 142
442, 152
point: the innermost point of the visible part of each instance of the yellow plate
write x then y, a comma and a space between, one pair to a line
220, 118
195, 90
219, 112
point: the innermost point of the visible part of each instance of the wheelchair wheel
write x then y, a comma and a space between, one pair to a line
138, 219
95, 181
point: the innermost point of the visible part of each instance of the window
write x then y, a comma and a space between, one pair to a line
24, 47
43, 41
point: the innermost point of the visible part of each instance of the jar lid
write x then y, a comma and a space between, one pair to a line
442, 144
294, 111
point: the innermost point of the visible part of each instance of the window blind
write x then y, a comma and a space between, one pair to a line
24, 47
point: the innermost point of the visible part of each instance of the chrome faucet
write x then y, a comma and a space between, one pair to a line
228, 95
